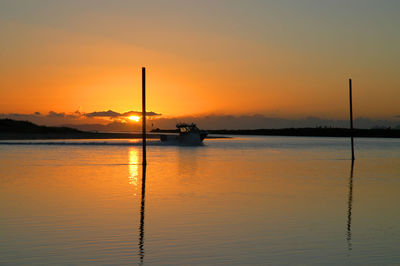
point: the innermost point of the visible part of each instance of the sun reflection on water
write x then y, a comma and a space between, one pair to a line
133, 167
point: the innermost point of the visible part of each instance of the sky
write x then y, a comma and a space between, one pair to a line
283, 59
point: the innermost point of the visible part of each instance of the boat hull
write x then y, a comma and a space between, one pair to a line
192, 139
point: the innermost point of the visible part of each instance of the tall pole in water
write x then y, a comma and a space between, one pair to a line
351, 122
141, 227
144, 114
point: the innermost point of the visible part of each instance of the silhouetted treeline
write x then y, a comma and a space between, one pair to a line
306, 132
15, 126
13, 129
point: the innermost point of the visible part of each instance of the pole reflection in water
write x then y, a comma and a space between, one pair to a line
141, 226
349, 206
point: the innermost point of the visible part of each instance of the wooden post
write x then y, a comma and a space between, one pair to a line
351, 122
141, 227
144, 114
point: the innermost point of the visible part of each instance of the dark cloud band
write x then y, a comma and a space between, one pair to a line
112, 114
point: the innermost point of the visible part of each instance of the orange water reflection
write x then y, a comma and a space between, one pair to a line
133, 167
241, 204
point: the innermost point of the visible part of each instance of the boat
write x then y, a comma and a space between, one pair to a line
189, 134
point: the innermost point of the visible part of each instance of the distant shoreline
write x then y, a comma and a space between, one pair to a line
306, 132
77, 135
23, 130
81, 135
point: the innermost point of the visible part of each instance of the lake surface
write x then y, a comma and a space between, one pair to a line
246, 200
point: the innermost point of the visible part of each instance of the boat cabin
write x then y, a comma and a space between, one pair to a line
184, 128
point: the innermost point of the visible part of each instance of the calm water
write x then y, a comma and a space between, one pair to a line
249, 200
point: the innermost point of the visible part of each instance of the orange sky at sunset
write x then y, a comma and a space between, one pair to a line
290, 59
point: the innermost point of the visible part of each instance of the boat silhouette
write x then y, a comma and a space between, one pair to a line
189, 134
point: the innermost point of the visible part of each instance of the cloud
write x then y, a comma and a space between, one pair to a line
112, 114
52, 114
50, 119
118, 121
108, 113
139, 113
55, 114
54, 118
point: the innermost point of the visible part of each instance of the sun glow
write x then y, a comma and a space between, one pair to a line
134, 118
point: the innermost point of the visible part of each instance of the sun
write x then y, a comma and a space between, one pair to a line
134, 118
